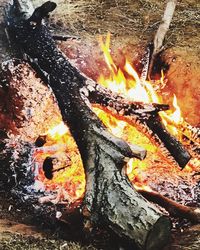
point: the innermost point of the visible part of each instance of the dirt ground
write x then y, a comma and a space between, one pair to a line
132, 25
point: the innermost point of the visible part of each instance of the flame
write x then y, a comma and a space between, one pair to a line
125, 80
58, 131
176, 116
173, 119
68, 180
130, 85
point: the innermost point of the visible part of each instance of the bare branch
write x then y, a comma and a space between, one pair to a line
162, 30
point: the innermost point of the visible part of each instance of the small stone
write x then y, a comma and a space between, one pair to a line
58, 215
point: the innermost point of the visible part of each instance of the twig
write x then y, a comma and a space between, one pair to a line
65, 37
161, 32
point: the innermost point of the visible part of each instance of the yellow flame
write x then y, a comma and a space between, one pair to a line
126, 81
176, 116
58, 131
130, 86
68, 182
105, 47
136, 89
173, 119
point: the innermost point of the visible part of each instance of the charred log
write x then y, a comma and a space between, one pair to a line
175, 147
109, 198
103, 96
144, 116
42, 12
13, 155
175, 209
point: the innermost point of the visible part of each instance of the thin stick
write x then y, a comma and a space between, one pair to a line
161, 32
65, 37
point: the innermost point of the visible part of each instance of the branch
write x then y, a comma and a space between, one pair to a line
110, 198
65, 37
42, 12
175, 209
105, 97
144, 116
161, 32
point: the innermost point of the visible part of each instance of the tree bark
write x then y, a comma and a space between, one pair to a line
109, 199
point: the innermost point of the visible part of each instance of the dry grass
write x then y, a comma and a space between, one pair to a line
134, 19
19, 242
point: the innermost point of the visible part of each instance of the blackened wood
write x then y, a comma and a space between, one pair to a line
179, 153
110, 199
142, 115
13, 155
17, 156
65, 37
146, 61
156, 131
175, 209
42, 12
105, 97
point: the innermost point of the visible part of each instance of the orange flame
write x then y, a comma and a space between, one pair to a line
173, 120
126, 81
130, 86
69, 182
134, 88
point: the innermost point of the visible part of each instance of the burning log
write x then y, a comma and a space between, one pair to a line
192, 133
103, 96
116, 188
109, 199
144, 116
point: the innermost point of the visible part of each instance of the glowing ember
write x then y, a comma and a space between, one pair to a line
58, 131
67, 179
126, 81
